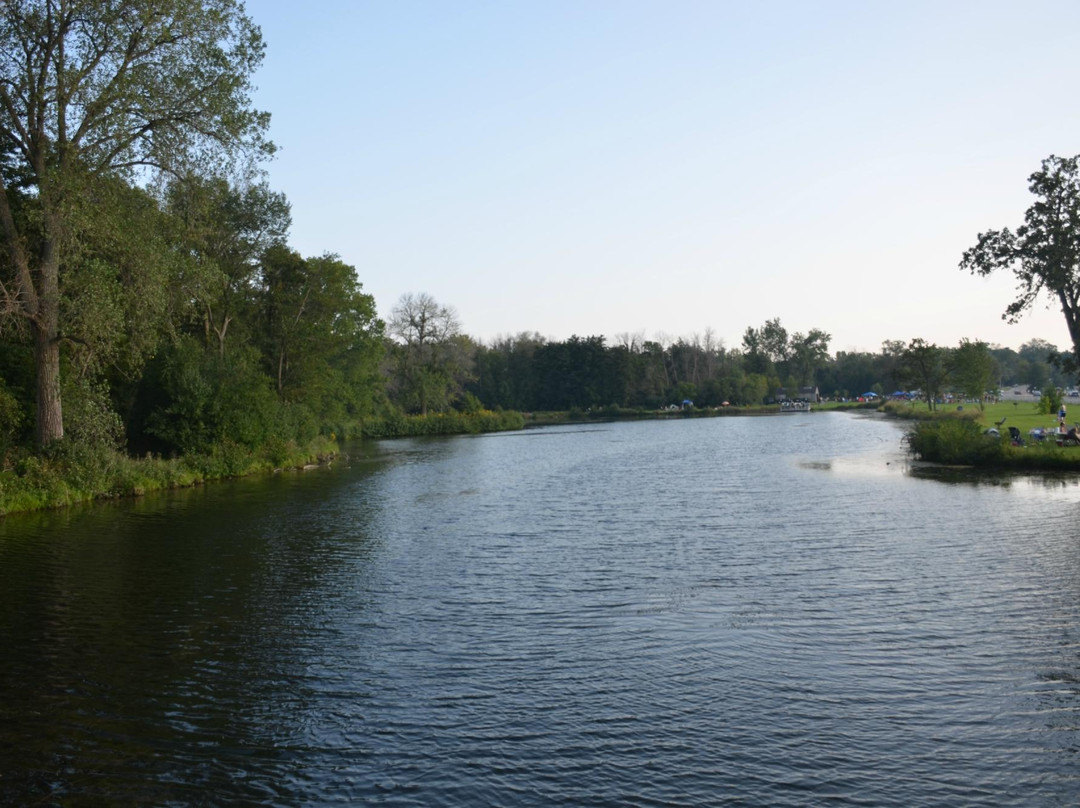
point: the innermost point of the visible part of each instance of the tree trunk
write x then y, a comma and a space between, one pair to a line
50, 421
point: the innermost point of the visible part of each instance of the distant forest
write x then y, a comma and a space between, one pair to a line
529, 373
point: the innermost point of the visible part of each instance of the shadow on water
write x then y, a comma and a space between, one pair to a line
154, 648
966, 475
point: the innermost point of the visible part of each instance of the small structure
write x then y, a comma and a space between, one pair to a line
800, 402
811, 394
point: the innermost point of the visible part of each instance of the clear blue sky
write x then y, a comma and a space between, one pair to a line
609, 166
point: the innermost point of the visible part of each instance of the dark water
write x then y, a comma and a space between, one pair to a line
771, 611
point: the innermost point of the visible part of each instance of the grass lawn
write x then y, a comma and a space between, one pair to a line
1024, 415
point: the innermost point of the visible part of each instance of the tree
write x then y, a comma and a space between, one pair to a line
764, 347
224, 230
973, 369
892, 362
1044, 252
430, 362
321, 337
117, 297
98, 88
808, 352
1040, 363
924, 367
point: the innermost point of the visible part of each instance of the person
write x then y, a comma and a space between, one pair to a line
1061, 414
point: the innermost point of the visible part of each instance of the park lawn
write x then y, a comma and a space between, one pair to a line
1024, 415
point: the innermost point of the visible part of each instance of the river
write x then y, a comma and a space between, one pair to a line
770, 611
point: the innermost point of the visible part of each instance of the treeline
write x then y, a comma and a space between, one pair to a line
527, 372
226, 336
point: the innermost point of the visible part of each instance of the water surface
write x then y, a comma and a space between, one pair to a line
746, 611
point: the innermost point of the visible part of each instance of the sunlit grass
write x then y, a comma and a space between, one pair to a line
958, 436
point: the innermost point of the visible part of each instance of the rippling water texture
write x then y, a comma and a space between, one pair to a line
770, 611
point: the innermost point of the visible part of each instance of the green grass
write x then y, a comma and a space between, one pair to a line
1024, 415
74, 473
957, 437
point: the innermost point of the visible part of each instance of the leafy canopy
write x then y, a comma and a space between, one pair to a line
1044, 252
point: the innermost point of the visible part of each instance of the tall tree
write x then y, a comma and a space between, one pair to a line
808, 352
973, 369
322, 338
224, 229
93, 88
925, 367
429, 360
1044, 252
892, 363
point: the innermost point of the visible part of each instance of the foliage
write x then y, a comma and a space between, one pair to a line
1044, 252
399, 425
1050, 402
11, 421
955, 441
70, 472
973, 369
91, 419
94, 92
907, 412
963, 441
429, 362
202, 399
924, 367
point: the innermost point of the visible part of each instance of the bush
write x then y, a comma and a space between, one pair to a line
11, 421
956, 441
396, 425
1050, 403
70, 472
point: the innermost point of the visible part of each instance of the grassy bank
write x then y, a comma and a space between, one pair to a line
614, 413
960, 437
443, 423
71, 473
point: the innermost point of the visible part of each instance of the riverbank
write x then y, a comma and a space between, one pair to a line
73, 474
70, 473
614, 413
981, 439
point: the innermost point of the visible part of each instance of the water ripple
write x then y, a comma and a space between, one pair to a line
730, 611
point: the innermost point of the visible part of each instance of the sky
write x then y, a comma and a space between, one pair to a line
663, 167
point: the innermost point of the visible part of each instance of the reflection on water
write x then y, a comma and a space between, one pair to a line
771, 611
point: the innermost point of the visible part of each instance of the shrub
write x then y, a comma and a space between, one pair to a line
955, 441
396, 425
1050, 403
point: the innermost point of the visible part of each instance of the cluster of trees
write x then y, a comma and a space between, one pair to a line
149, 298
205, 328
527, 372
147, 292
